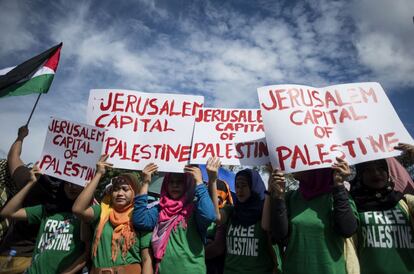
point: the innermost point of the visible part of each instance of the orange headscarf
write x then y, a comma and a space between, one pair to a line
123, 236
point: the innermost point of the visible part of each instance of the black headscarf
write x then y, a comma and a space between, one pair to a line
58, 201
250, 211
370, 199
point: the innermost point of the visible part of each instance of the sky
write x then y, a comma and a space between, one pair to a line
223, 50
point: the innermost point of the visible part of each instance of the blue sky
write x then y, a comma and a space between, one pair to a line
223, 50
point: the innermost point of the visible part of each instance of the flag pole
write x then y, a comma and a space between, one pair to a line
34, 107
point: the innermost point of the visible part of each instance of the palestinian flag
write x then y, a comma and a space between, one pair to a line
33, 76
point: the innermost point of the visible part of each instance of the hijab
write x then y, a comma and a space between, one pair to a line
250, 212
172, 213
400, 176
58, 201
123, 236
373, 199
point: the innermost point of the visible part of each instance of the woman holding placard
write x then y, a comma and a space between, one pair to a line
116, 247
248, 246
180, 220
386, 233
58, 248
313, 221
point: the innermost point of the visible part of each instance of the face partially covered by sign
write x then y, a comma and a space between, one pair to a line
236, 136
307, 127
145, 127
71, 150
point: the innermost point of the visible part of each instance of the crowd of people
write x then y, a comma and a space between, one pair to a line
330, 224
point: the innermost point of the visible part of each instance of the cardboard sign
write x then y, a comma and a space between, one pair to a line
236, 136
145, 127
307, 127
71, 151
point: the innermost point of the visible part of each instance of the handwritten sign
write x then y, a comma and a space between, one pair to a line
236, 136
307, 127
145, 127
71, 151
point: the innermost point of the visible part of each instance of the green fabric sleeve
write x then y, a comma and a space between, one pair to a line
145, 239
35, 214
96, 213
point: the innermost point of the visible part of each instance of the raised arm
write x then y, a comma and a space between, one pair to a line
14, 208
212, 167
81, 208
144, 217
345, 222
275, 217
205, 213
13, 157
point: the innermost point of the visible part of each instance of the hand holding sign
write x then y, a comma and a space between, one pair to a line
102, 165
35, 173
341, 171
195, 172
407, 151
277, 184
212, 167
147, 172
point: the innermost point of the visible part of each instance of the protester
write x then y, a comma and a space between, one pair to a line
180, 220
116, 247
385, 237
5, 194
249, 249
313, 221
216, 234
21, 236
59, 248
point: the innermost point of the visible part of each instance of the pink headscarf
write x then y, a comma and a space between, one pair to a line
172, 213
400, 177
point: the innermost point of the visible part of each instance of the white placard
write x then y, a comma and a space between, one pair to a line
307, 127
145, 127
236, 136
71, 151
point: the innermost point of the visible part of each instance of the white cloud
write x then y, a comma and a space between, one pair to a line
14, 30
385, 39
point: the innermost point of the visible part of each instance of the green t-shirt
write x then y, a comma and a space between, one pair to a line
385, 242
58, 242
313, 245
185, 251
104, 252
247, 248
278, 256
211, 231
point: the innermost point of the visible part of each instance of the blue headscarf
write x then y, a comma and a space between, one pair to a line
250, 211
